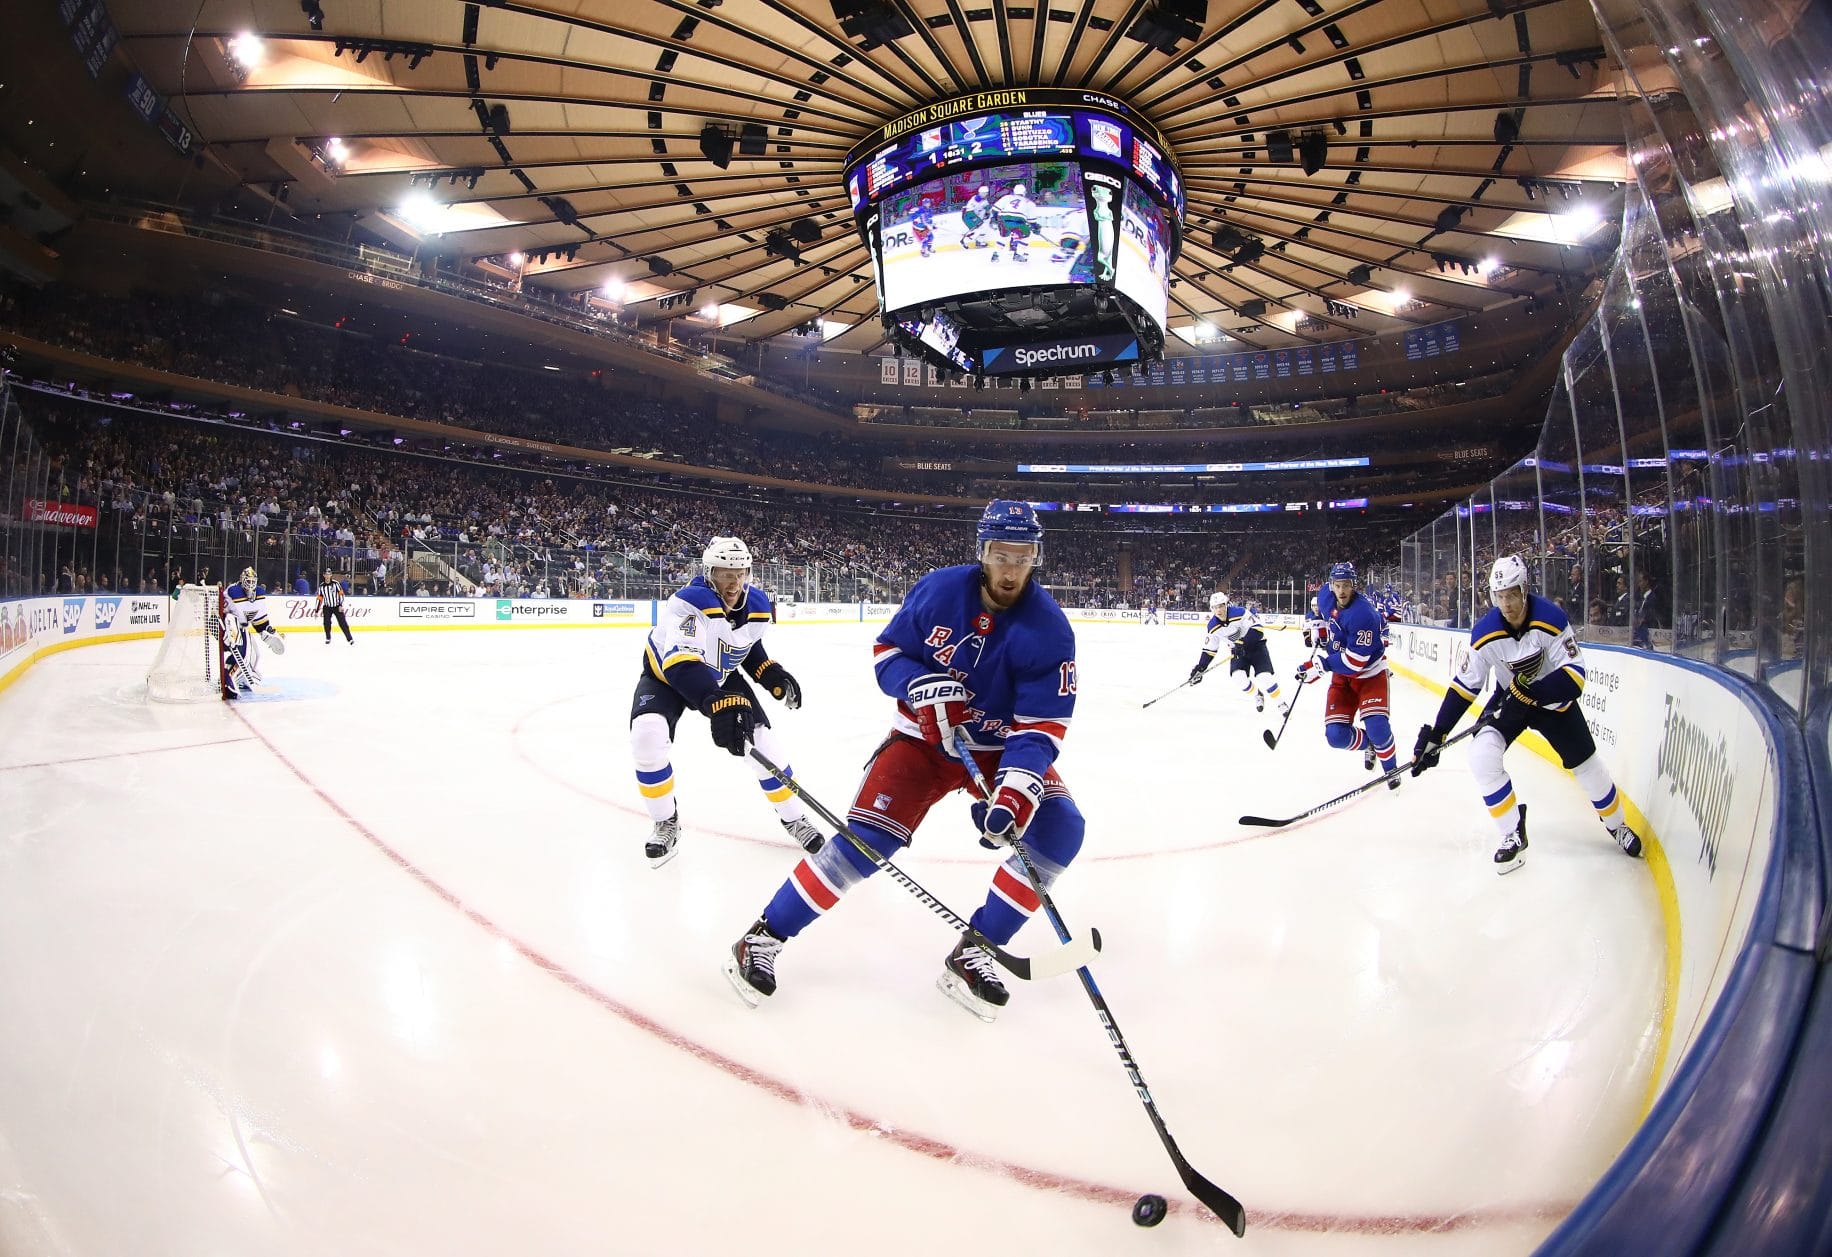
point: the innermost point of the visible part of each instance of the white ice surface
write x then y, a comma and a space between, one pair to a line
374, 965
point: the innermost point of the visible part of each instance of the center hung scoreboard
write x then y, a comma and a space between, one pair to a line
1027, 231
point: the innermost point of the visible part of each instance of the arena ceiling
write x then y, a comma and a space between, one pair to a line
1471, 147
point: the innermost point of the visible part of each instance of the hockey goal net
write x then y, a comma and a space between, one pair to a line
189, 666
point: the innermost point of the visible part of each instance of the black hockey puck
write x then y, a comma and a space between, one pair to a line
1149, 1210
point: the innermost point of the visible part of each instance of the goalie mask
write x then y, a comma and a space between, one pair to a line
250, 582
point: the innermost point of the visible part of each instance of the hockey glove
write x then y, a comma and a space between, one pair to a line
1015, 797
1201, 669
940, 704
1308, 671
1310, 638
1237, 653
1425, 751
274, 642
1522, 692
775, 678
732, 718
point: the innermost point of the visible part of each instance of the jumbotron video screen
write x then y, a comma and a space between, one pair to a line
1009, 238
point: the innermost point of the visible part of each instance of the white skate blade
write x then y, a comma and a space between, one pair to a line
746, 992
1511, 865
656, 861
957, 990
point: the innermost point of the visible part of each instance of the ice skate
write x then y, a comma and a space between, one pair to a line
1368, 759
1628, 840
752, 967
969, 979
1513, 850
806, 836
662, 840
1259, 702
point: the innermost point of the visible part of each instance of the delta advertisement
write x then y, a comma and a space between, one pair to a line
33, 627
1697, 761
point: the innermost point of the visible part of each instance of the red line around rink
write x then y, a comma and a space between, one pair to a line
937, 1149
150, 750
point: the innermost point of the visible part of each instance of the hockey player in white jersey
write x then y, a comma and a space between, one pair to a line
977, 225
1017, 219
245, 608
1527, 644
1248, 657
704, 634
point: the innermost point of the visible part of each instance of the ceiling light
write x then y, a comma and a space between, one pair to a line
248, 50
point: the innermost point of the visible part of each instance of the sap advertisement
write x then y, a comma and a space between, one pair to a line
1143, 273
1012, 226
1059, 356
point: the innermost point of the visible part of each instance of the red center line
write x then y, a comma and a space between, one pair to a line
151, 750
912, 1141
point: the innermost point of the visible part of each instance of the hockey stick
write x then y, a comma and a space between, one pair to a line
1361, 789
1050, 964
1272, 739
1167, 693
1219, 1202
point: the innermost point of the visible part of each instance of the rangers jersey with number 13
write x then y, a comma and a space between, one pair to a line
1018, 665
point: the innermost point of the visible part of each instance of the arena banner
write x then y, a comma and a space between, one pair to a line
1103, 615
1699, 773
819, 612
31, 628
58, 514
300, 614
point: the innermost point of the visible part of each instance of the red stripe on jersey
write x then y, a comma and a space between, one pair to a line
813, 887
1016, 889
1057, 729
881, 652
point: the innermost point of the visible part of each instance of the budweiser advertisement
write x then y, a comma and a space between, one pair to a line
60, 514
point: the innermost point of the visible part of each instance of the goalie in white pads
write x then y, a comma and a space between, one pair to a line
703, 635
245, 608
1527, 643
1248, 657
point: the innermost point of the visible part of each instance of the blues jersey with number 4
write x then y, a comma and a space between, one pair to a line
1018, 665
1357, 635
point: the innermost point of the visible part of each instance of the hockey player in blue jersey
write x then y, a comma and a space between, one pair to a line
1525, 642
1248, 656
922, 225
1356, 659
980, 651
707, 632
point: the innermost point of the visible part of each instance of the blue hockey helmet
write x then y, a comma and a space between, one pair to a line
1007, 520
1343, 571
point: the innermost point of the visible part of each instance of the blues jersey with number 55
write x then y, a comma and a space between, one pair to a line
1018, 664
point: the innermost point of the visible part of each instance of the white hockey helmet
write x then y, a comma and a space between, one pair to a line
1218, 602
1508, 573
1018, 190
249, 580
984, 190
726, 552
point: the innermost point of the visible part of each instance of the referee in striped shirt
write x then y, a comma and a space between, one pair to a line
331, 604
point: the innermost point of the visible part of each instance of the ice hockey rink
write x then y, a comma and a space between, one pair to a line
373, 964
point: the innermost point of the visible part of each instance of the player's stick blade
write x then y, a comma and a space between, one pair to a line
1072, 955
1272, 742
1219, 1202
1267, 821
